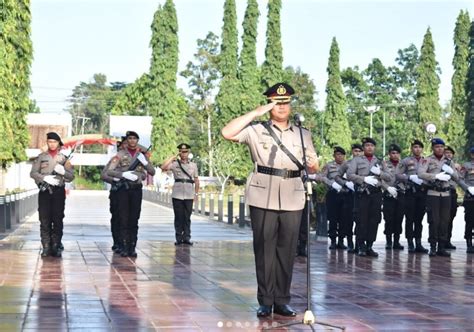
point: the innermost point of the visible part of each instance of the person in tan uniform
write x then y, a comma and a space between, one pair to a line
467, 172
275, 193
129, 196
449, 153
51, 170
185, 191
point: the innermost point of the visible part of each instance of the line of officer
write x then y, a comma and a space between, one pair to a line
467, 173
113, 201
130, 194
393, 201
185, 192
449, 153
367, 172
51, 170
275, 193
436, 172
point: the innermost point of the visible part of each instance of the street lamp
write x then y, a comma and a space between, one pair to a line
430, 128
371, 110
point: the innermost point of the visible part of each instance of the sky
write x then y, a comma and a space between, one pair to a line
74, 39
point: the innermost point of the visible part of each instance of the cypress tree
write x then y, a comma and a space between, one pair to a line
337, 127
456, 133
272, 68
427, 99
470, 90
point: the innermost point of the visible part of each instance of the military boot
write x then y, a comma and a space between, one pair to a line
450, 246
442, 250
432, 249
388, 243
119, 248
362, 249
131, 250
419, 247
46, 251
333, 245
411, 246
370, 251
470, 248
125, 248
56, 250
396, 242
350, 245
340, 243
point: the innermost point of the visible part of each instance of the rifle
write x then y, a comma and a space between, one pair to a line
123, 183
43, 186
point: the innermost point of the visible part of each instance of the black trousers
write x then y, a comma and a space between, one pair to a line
348, 213
129, 206
415, 208
368, 209
183, 209
468, 218
438, 209
393, 211
51, 215
303, 233
114, 212
335, 213
453, 212
275, 235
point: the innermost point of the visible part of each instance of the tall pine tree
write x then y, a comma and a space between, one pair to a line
470, 90
272, 68
337, 127
427, 98
456, 133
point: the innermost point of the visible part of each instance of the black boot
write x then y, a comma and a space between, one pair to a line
350, 245
333, 245
419, 247
432, 249
125, 249
362, 249
119, 248
340, 243
46, 251
370, 251
442, 250
388, 244
301, 249
131, 250
470, 248
56, 250
411, 246
450, 246
396, 242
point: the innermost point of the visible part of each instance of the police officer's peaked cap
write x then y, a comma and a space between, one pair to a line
339, 149
184, 146
436, 141
418, 142
131, 133
280, 93
368, 140
448, 148
356, 146
55, 136
394, 147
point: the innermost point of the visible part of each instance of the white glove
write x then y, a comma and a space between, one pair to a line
471, 190
142, 159
375, 169
371, 180
443, 176
336, 186
51, 179
392, 191
414, 178
130, 176
59, 169
313, 176
448, 169
350, 185
116, 179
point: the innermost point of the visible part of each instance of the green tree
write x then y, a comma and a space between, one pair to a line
427, 98
456, 133
470, 90
338, 131
132, 98
272, 68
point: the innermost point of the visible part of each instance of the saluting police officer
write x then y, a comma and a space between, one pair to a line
51, 170
129, 196
467, 172
393, 201
275, 193
436, 172
367, 172
415, 197
348, 206
185, 191
449, 153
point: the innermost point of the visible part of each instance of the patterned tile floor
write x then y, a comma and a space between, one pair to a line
211, 286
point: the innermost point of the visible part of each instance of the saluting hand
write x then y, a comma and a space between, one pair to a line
261, 110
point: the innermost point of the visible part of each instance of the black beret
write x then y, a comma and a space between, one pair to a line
447, 147
368, 140
339, 149
280, 93
436, 141
184, 146
131, 133
394, 147
357, 146
55, 136
417, 142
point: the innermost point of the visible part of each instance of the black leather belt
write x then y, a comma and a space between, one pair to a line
284, 173
184, 180
441, 190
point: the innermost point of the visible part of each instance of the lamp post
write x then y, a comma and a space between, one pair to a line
430, 128
371, 110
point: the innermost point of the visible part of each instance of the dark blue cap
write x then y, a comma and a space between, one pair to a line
436, 141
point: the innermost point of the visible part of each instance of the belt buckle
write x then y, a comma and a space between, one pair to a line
286, 173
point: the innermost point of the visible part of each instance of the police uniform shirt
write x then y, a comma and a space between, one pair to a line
432, 166
341, 177
394, 170
360, 167
269, 191
103, 174
44, 165
408, 166
183, 190
330, 172
467, 172
121, 163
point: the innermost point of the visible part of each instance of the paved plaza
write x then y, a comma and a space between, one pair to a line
211, 286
